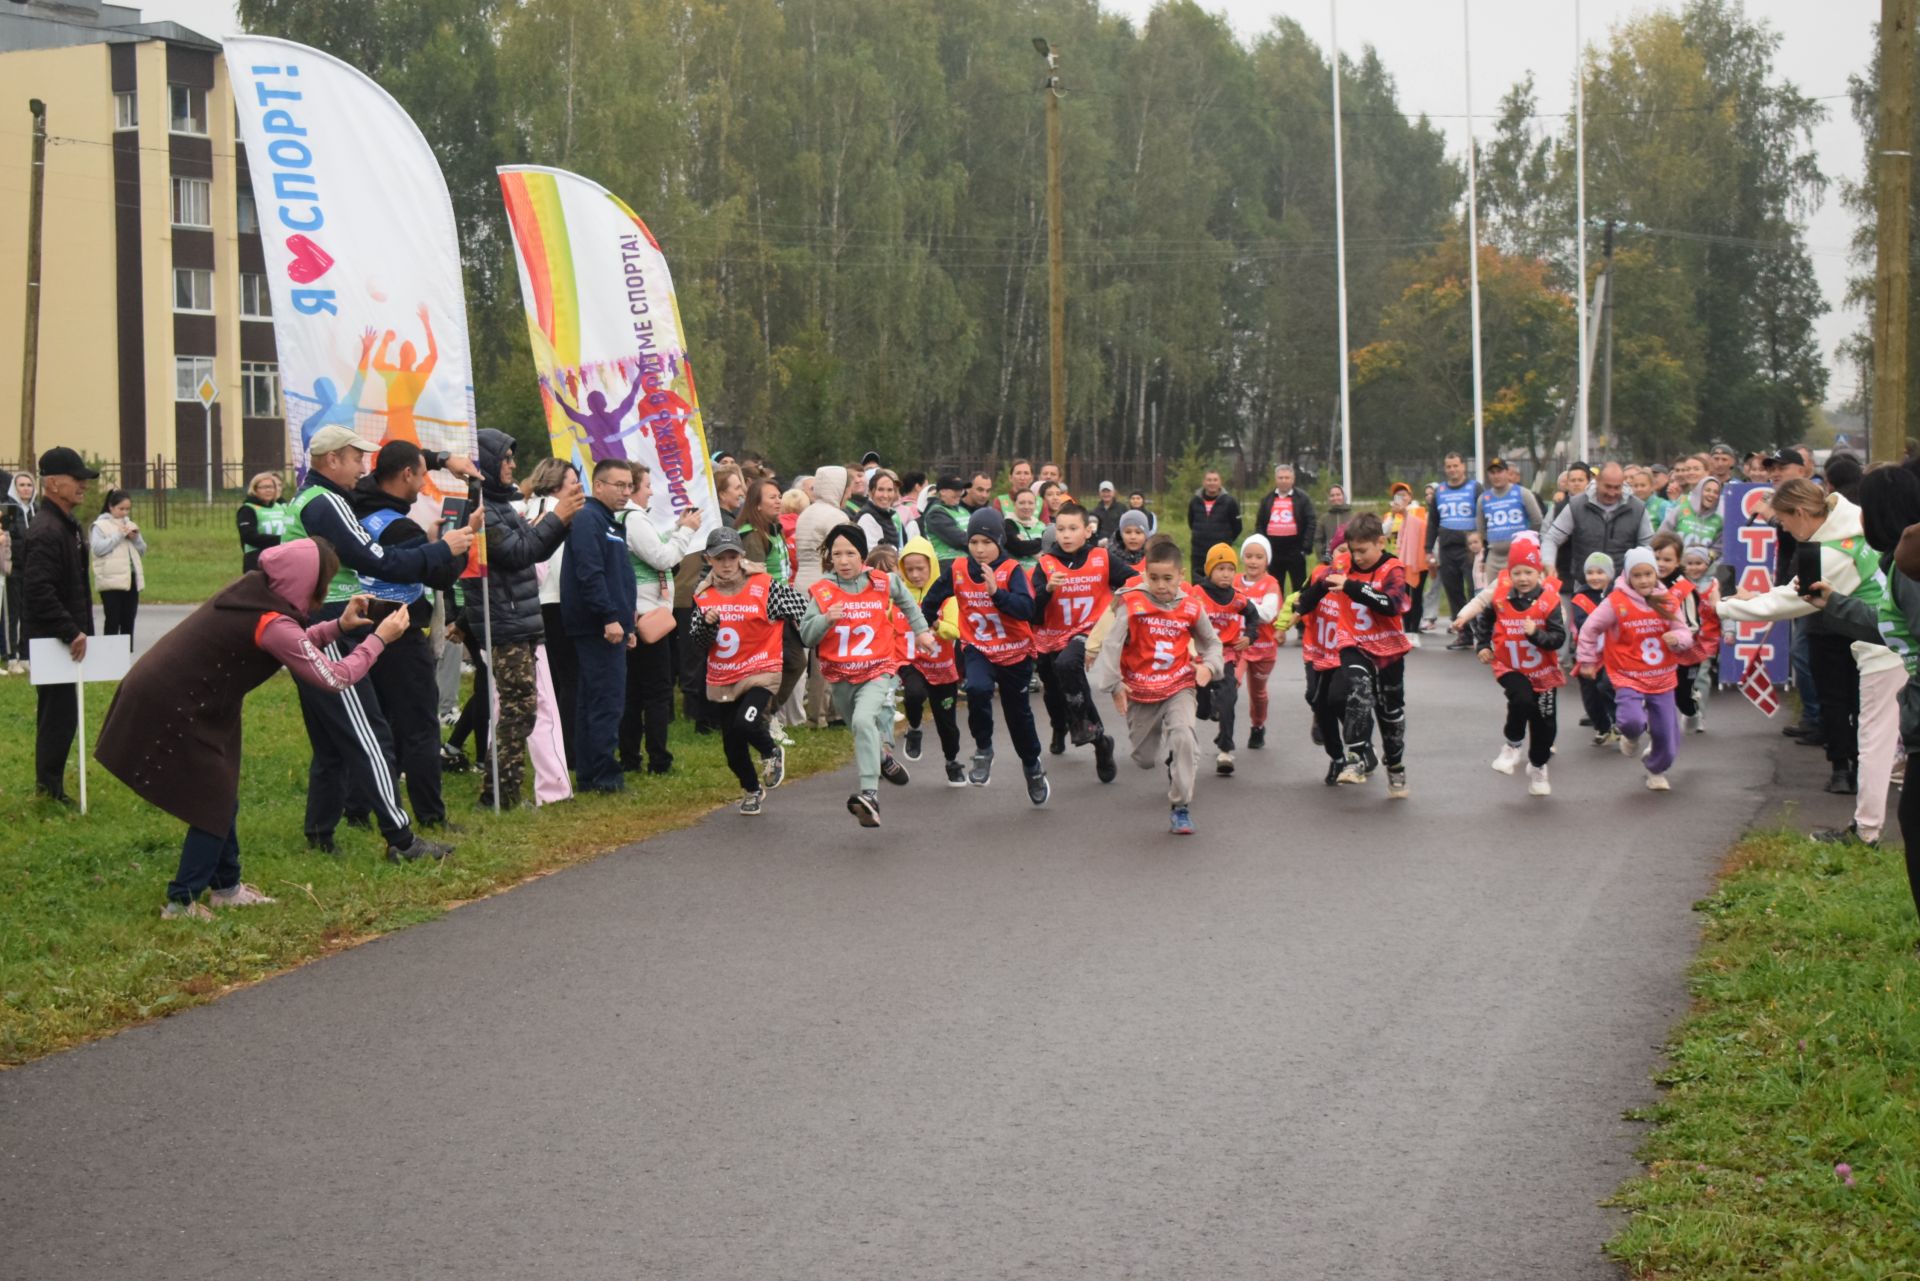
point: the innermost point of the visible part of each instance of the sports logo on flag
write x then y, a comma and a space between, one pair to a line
1759, 687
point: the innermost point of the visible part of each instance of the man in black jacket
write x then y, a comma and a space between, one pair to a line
1287, 519
1213, 516
513, 549
352, 744
58, 597
597, 603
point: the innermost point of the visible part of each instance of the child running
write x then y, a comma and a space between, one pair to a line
739, 619
1636, 634
1363, 604
1697, 564
1234, 621
1147, 660
1072, 588
1693, 610
930, 677
1519, 637
1256, 660
1596, 691
996, 628
850, 624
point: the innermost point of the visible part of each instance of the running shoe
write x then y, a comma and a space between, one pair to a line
982, 772
893, 771
1104, 768
913, 745
1223, 765
1509, 759
1397, 789
956, 774
1257, 738
1537, 784
1182, 821
1038, 789
751, 802
1629, 746
1333, 772
1058, 747
1413, 640
1843, 782
1463, 643
185, 912
1848, 835
241, 895
453, 760
1658, 783
773, 770
1353, 770
865, 806
419, 849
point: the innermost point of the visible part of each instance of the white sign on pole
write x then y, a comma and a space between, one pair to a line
50, 662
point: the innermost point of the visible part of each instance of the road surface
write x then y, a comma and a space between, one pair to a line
1331, 1036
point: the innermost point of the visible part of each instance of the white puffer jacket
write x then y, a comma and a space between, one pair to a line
117, 565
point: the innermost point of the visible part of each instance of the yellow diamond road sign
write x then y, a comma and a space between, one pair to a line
208, 391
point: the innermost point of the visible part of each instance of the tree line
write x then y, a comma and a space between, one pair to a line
852, 194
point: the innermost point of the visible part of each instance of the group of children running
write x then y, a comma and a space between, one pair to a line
889, 623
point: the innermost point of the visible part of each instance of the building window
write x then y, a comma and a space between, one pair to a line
126, 110
192, 289
192, 202
189, 109
246, 213
260, 389
187, 373
255, 302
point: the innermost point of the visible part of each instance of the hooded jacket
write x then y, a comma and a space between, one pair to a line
1695, 529
1839, 537
513, 548
172, 733
816, 522
948, 624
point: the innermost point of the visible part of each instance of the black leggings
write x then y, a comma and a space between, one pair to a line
745, 727
1064, 690
1838, 681
944, 702
1910, 826
1684, 701
117, 610
1350, 697
1532, 717
1596, 695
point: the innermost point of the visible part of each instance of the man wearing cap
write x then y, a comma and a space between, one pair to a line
1106, 515
1721, 460
352, 742
1286, 518
945, 519
1505, 509
58, 599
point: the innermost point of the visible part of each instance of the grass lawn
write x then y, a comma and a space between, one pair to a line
1788, 1143
186, 563
84, 952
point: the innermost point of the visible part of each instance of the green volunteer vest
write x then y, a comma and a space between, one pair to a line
643, 573
1696, 530
1037, 529
272, 519
960, 518
1866, 563
346, 583
1893, 623
776, 555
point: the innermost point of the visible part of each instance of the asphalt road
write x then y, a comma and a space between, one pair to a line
1331, 1036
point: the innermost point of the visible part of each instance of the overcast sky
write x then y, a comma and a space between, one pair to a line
1422, 44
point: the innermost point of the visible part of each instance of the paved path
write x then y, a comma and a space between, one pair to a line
1329, 1037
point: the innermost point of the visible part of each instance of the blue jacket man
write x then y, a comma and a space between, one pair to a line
597, 604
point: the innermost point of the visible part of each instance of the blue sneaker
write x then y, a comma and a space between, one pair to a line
1182, 821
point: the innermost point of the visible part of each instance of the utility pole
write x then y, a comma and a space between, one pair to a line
1606, 350
1887, 431
1056, 252
1473, 250
1340, 254
30, 357
1580, 229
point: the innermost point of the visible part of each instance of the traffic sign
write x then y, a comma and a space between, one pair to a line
208, 391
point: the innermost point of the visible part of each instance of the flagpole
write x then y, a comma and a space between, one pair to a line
1580, 225
1340, 241
1473, 251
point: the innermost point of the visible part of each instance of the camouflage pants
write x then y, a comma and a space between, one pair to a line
513, 674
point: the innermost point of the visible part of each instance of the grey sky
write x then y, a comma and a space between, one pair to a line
1421, 43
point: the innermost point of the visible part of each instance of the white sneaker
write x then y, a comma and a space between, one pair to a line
1658, 783
241, 895
1630, 747
1537, 784
1508, 760
1413, 639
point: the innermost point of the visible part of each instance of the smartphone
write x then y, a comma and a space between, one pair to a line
1806, 567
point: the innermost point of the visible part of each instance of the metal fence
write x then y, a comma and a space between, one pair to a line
169, 493
1082, 475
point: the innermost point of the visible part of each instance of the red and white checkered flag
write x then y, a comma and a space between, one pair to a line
1758, 687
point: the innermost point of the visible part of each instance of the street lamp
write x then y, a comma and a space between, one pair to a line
1056, 256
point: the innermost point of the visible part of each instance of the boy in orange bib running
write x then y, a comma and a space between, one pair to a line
1365, 602
1519, 635
1072, 586
1146, 658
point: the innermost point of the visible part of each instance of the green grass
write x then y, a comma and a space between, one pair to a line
1801, 1054
83, 951
185, 563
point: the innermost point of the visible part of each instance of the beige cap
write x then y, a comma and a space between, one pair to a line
331, 438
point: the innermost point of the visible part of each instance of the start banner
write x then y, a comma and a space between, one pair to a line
607, 341
1748, 544
363, 265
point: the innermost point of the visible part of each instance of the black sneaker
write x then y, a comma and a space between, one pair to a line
773, 770
982, 771
453, 760
322, 845
1059, 745
1798, 730
956, 774
1463, 643
1842, 782
419, 849
1333, 773
893, 771
1848, 835
1038, 789
1256, 738
1103, 767
913, 744
865, 806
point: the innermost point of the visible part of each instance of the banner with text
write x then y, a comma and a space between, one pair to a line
1747, 546
607, 339
363, 265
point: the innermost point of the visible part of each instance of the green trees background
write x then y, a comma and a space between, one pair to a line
852, 194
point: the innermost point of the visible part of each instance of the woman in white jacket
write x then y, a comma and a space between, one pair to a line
1862, 758
119, 570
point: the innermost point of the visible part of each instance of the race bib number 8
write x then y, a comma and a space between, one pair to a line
1652, 651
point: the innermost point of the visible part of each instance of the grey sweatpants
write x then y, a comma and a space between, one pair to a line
867, 708
1163, 733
